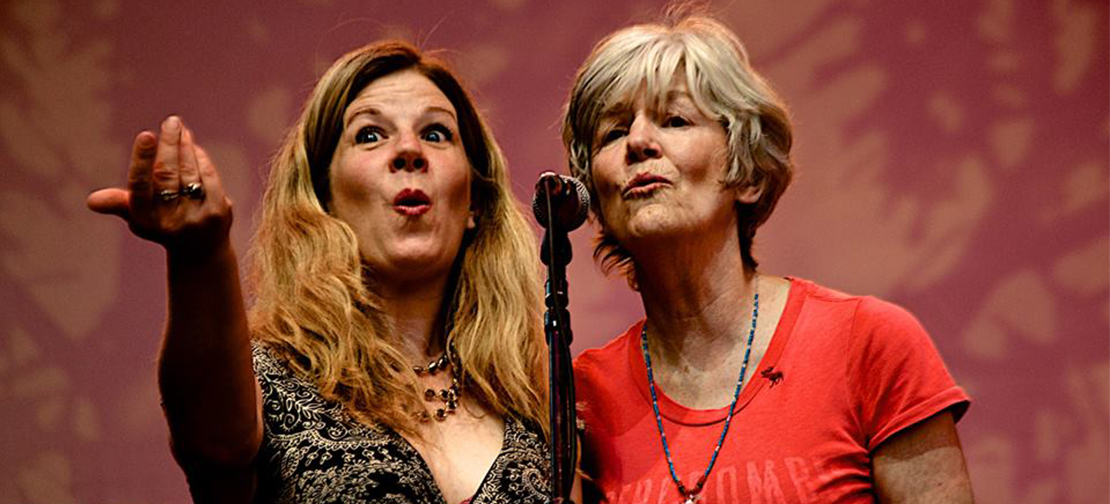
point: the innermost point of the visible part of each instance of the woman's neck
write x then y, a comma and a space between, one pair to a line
415, 312
697, 299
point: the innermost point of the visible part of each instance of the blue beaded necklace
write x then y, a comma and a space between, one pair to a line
691, 494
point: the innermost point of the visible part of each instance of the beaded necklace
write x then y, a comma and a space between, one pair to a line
691, 495
448, 396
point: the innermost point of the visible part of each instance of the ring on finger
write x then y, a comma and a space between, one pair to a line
193, 190
168, 195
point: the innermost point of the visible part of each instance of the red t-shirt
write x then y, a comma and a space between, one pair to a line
841, 375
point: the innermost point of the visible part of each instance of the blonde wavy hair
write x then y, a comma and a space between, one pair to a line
315, 302
645, 59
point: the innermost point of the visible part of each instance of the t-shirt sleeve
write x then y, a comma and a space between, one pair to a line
898, 378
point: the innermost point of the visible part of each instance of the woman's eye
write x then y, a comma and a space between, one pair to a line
437, 134
675, 122
613, 135
368, 134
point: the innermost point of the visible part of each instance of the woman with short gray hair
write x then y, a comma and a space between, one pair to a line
739, 385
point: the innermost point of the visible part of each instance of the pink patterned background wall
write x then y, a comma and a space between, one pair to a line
953, 158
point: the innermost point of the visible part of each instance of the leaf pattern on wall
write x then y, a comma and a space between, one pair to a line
953, 157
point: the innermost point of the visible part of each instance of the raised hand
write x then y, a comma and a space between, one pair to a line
174, 196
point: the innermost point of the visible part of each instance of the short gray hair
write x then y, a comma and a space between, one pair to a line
645, 58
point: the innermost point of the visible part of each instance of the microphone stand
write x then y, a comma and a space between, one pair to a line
556, 254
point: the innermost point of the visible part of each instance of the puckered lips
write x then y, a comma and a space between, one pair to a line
644, 184
412, 202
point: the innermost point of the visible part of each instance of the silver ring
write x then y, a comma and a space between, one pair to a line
193, 190
167, 195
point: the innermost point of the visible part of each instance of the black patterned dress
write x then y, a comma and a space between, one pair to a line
313, 451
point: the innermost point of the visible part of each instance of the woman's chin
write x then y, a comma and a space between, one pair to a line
651, 225
421, 265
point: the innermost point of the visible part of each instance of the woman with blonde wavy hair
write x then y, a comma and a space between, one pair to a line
393, 353
738, 386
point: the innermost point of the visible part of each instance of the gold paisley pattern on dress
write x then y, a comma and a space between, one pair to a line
313, 451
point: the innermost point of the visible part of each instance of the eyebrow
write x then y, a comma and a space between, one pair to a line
611, 114
372, 110
624, 106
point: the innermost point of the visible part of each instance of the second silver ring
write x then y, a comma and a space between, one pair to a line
193, 190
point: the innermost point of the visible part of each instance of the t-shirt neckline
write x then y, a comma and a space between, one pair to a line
677, 413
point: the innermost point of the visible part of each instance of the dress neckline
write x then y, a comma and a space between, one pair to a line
411, 451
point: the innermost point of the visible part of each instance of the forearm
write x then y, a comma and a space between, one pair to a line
208, 386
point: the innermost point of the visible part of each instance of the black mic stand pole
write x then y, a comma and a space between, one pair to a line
556, 254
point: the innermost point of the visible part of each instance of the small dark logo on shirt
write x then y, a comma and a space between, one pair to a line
771, 374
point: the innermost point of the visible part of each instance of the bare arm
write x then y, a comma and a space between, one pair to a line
923, 464
210, 395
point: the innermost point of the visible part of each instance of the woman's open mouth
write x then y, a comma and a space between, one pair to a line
412, 203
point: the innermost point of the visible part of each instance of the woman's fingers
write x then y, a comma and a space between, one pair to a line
129, 202
165, 177
213, 186
113, 200
192, 182
139, 182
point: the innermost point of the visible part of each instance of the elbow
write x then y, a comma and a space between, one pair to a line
228, 453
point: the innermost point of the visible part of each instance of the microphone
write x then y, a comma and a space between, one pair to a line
570, 202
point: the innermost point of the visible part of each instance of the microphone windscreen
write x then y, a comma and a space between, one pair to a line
583, 201
569, 199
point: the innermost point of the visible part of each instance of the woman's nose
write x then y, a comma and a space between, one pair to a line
409, 162
642, 142
409, 156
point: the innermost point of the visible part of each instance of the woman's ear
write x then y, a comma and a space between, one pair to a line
471, 220
749, 194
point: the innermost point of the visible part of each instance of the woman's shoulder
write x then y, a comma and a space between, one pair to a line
874, 330
286, 394
614, 352
276, 377
866, 311
273, 371
264, 359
